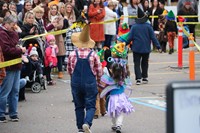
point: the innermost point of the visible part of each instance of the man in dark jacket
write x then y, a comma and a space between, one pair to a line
141, 34
9, 89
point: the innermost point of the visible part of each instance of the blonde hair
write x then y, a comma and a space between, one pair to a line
60, 5
38, 9
71, 14
27, 14
49, 12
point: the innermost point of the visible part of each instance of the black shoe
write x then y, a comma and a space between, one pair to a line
118, 129
113, 128
3, 120
14, 118
145, 81
170, 51
80, 131
138, 82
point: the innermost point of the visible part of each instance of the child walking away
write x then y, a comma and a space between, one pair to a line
50, 57
116, 81
84, 67
171, 30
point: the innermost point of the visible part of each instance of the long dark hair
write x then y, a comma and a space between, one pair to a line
100, 4
119, 71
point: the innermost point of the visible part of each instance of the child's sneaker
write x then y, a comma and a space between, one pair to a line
3, 120
118, 129
80, 131
114, 128
27, 78
138, 82
86, 128
144, 80
14, 118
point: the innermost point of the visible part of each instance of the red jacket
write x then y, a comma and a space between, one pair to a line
8, 44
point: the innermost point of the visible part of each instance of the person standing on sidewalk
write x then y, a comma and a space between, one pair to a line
84, 67
141, 34
171, 30
9, 89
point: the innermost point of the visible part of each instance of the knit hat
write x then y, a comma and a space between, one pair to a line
50, 37
33, 51
170, 15
141, 16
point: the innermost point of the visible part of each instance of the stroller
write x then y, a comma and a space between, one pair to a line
36, 83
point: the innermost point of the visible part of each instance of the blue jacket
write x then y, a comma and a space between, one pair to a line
141, 35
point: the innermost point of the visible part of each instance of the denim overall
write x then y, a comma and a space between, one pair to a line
84, 91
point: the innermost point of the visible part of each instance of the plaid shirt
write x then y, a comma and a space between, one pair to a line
94, 60
68, 42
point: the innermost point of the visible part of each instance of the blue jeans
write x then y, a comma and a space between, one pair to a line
10, 91
22, 83
84, 91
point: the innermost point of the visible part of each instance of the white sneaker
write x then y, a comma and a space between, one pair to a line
86, 128
27, 78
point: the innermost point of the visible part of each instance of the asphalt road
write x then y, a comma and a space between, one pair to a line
52, 110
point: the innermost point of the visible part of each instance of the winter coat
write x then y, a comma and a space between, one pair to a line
142, 35
26, 30
110, 28
161, 36
8, 44
132, 11
2, 70
59, 38
96, 30
50, 56
157, 12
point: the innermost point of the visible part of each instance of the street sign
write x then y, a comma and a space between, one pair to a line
183, 107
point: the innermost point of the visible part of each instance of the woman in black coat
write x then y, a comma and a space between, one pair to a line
155, 10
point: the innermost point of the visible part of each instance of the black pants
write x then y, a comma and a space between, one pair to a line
48, 73
108, 40
141, 64
60, 62
163, 46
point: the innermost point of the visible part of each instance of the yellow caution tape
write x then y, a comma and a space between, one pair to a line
105, 22
10, 62
53, 32
187, 34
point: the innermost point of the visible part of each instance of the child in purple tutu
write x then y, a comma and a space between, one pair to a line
115, 82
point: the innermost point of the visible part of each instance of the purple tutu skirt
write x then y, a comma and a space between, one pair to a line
118, 104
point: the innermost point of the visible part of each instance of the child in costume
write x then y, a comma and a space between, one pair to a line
84, 67
50, 57
171, 30
162, 38
116, 80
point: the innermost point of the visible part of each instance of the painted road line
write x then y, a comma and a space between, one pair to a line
168, 73
156, 63
151, 102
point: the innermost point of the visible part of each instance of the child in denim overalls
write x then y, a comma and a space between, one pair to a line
83, 66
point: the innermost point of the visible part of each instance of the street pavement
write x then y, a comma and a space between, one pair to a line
52, 110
